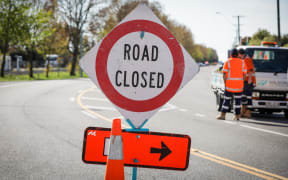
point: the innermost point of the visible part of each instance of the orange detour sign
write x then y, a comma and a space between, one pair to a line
115, 164
140, 149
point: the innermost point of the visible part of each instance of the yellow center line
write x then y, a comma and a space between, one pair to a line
194, 151
236, 165
93, 112
199, 153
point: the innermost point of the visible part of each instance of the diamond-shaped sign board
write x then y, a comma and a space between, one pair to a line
139, 65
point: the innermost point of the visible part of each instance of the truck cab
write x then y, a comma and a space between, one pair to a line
271, 66
271, 71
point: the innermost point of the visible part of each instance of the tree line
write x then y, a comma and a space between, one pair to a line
107, 18
264, 35
34, 28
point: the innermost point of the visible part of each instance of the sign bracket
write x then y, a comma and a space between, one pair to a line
133, 129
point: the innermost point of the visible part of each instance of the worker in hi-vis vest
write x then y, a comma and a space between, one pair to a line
234, 71
249, 84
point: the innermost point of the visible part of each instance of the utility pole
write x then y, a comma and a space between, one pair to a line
278, 22
238, 28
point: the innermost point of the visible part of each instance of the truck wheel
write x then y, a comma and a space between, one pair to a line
219, 102
286, 114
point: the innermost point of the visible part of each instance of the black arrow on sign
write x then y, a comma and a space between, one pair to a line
164, 151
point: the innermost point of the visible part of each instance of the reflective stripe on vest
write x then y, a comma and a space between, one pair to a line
243, 67
234, 78
229, 67
231, 89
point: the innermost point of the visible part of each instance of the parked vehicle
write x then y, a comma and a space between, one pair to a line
52, 60
271, 91
8, 63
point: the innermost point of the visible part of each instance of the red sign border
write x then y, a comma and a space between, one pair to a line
141, 132
102, 58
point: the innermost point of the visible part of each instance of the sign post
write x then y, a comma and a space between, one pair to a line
133, 129
140, 66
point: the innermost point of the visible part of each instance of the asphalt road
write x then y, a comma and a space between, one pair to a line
42, 125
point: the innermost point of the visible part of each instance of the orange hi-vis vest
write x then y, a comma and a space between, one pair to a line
234, 70
250, 68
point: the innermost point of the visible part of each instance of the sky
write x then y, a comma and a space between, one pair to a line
213, 22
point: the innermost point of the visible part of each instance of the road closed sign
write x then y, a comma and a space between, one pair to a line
139, 65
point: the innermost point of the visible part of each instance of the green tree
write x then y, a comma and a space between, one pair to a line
259, 36
284, 40
197, 53
57, 41
107, 18
265, 35
36, 30
12, 21
76, 14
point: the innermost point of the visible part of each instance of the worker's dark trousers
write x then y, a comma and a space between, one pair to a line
227, 99
247, 94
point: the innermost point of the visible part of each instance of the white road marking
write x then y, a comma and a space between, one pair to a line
20, 84
183, 110
168, 107
100, 108
8, 86
119, 117
95, 89
93, 85
88, 114
200, 115
95, 99
12, 85
229, 122
72, 99
264, 130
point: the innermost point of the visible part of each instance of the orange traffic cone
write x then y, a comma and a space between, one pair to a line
115, 163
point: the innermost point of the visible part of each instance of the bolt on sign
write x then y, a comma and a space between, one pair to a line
140, 149
139, 65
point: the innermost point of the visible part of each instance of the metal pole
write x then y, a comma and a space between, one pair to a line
239, 38
133, 129
81, 50
238, 29
134, 173
278, 22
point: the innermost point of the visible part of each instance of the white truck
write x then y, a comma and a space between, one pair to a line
271, 91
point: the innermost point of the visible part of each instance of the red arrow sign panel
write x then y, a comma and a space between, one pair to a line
140, 149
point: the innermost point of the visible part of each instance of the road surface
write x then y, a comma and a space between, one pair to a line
42, 125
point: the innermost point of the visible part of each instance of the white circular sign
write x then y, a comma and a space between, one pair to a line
140, 65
